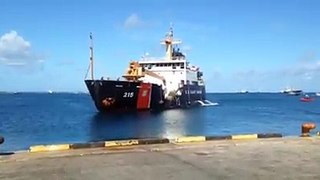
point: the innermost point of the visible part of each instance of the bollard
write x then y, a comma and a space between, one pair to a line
1, 139
306, 128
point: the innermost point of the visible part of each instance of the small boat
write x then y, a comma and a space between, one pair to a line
318, 94
306, 98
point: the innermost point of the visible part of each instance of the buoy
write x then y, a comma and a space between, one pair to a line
1, 139
306, 128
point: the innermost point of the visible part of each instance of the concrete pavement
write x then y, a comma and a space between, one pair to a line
286, 158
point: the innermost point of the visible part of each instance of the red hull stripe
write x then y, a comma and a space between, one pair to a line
144, 96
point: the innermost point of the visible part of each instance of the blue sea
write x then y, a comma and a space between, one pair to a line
40, 118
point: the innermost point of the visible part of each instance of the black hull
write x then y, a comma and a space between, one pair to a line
111, 95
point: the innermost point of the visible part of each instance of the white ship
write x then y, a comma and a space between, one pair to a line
151, 83
292, 91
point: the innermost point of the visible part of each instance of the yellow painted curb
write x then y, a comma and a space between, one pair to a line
245, 136
191, 139
44, 148
121, 143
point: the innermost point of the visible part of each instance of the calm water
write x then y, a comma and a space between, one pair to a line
29, 119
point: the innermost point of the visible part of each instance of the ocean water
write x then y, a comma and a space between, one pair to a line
39, 118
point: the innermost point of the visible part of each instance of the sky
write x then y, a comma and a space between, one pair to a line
254, 45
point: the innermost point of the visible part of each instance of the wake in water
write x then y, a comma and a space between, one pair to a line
207, 103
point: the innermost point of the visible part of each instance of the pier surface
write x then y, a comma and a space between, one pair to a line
286, 158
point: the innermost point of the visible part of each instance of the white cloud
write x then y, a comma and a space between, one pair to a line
304, 68
133, 21
16, 51
308, 70
15, 64
300, 74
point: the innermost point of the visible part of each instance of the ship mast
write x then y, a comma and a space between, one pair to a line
169, 42
91, 57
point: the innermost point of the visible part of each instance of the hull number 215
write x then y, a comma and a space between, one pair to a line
128, 94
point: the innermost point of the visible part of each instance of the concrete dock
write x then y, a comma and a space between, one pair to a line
283, 158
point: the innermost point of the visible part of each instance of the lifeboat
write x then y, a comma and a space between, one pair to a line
306, 99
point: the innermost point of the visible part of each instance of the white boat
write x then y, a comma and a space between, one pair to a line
318, 94
244, 92
291, 91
